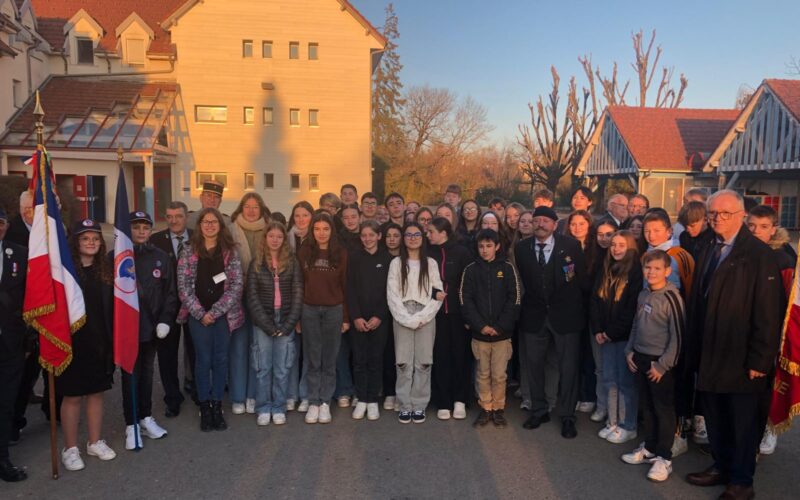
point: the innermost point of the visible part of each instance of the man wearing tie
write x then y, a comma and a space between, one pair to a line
735, 320
553, 270
174, 240
13, 268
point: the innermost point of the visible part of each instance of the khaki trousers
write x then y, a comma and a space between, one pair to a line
492, 360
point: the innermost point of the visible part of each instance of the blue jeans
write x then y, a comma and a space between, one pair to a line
242, 376
272, 359
211, 358
344, 375
616, 375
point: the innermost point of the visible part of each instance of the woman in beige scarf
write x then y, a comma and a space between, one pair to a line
248, 226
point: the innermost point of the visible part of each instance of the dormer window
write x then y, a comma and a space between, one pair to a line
134, 50
85, 50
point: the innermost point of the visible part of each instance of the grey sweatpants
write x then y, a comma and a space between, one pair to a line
414, 358
322, 334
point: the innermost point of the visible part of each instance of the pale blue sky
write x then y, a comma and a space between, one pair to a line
500, 52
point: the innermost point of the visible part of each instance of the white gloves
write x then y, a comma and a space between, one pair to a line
162, 330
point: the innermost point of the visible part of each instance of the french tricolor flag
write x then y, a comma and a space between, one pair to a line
126, 299
53, 303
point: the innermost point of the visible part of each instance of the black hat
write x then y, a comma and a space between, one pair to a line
3, 215
213, 187
140, 217
86, 225
542, 211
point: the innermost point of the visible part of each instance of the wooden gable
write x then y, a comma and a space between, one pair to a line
610, 155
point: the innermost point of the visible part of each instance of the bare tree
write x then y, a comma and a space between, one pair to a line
666, 96
743, 95
793, 66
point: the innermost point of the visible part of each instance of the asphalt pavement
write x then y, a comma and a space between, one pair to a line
363, 459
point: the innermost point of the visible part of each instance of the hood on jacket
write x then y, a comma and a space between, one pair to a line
779, 239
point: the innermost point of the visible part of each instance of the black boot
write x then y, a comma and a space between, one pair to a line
206, 419
218, 420
484, 417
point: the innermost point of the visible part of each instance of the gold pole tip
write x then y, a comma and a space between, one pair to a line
37, 110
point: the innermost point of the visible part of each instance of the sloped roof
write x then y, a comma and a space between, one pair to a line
671, 139
788, 91
5, 49
109, 14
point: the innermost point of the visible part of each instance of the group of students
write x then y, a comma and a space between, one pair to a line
358, 302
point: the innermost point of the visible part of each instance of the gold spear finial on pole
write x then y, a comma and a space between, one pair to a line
38, 115
119, 155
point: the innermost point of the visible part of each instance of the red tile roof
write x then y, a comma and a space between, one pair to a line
788, 91
75, 96
109, 14
671, 139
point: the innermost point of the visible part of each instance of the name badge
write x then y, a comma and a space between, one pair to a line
219, 278
648, 309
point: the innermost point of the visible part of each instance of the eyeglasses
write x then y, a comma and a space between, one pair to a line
413, 236
721, 215
423, 220
369, 203
470, 209
210, 222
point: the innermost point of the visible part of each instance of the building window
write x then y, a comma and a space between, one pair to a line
294, 117
269, 181
134, 51
313, 51
19, 97
247, 48
294, 50
249, 115
266, 49
294, 182
211, 114
220, 177
249, 180
267, 115
85, 50
313, 117
313, 182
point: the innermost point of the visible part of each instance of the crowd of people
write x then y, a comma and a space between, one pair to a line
661, 332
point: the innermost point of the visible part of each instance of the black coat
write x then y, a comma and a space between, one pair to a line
12, 295
259, 296
565, 306
162, 241
157, 289
736, 328
455, 257
366, 284
18, 232
615, 317
490, 295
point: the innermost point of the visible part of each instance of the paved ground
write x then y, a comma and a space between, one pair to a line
360, 459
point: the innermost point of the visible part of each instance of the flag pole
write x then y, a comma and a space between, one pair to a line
38, 115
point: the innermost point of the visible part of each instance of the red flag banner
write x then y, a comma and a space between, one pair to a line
786, 388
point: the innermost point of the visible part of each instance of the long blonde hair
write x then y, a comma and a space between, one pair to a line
617, 272
284, 253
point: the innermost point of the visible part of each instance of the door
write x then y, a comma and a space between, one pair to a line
162, 180
96, 186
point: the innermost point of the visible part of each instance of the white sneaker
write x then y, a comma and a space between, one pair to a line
606, 431
700, 435
373, 413
354, 402
443, 414
250, 406
459, 411
638, 456
263, 419
150, 428
344, 401
291, 404
132, 437
71, 458
312, 415
768, 443
679, 446
389, 402
359, 411
237, 408
598, 416
279, 418
620, 435
660, 470
525, 405
324, 413
100, 450
303, 407
585, 407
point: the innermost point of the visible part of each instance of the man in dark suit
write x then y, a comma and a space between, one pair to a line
553, 271
20, 225
173, 241
736, 313
13, 268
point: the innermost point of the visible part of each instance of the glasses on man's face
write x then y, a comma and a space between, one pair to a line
369, 203
210, 222
413, 236
721, 215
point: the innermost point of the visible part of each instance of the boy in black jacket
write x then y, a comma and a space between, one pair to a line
490, 298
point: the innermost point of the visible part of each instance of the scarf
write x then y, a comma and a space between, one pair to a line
248, 235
